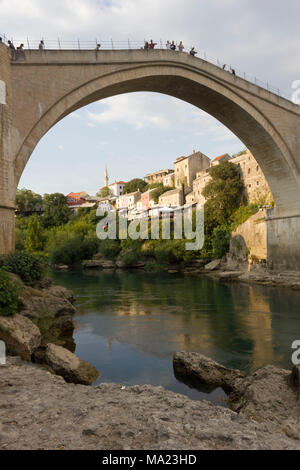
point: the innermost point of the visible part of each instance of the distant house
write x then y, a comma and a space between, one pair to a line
220, 159
157, 176
186, 168
146, 201
76, 199
174, 197
115, 188
128, 201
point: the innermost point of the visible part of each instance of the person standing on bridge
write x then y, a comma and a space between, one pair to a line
181, 46
232, 71
173, 46
152, 44
146, 46
193, 52
168, 45
41, 45
12, 50
98, 47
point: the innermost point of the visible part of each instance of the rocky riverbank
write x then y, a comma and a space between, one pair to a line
41, 411
223, 269
42, 332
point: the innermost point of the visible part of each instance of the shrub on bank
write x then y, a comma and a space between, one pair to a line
109, 248
72, 250
220, 241
31, 268
9, 295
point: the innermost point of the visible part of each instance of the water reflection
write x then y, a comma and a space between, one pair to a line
131, 323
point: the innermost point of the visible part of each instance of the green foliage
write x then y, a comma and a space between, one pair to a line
109, 248
159, 190
34, 235
134, 185
27, 201
242, 214
71, 249
57, 211
223, 192
20, 239
104, 192
9, 295
220, 241
130, 258
31, 268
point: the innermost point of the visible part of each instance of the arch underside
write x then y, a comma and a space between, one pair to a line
227, 106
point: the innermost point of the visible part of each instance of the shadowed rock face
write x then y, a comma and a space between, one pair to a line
203, 371
41, 411
269, 395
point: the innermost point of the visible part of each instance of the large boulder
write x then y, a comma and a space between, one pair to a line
69, 366
92, 264
201, 370
21, 336
51, 310
270, 395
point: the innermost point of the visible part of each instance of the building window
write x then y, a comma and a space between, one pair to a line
249, 171
257, 168
249, 185
257, 182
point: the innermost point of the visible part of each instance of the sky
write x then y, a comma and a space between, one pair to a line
138, 133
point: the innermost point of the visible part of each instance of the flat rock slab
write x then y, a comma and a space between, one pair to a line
41, 411
199, 368
213, 265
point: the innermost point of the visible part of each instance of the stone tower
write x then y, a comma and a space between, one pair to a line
105, 177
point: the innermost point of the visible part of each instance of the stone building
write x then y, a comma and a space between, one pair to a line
256, 188
157, 176
186, 168
146, 201
174, 197
128, 201
168, 180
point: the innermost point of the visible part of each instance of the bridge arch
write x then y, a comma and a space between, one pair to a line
48, 85
219, 100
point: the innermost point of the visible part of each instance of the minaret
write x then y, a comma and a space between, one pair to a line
105, 177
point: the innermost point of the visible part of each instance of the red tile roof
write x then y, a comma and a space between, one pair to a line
219, 158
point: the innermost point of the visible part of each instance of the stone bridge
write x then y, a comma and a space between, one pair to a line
43, 87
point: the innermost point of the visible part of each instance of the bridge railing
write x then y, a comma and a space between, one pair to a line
111, 44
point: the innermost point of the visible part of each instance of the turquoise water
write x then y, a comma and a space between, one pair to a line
129, 324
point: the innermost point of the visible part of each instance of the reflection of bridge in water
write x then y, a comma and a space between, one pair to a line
50, 84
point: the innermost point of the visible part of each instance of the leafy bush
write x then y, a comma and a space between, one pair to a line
242, 214
130, 258
9, 295
220, 241
109, 248
72, 250
31, 268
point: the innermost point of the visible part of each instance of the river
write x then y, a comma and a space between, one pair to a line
129, 324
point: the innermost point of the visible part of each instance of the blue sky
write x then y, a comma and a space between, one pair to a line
138, 133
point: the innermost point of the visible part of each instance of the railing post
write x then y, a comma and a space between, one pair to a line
28, 45
78, 44
112, 44
129, 46
58, 43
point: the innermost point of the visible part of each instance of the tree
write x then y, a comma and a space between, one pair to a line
134, 185
34, 235
56, 209
223, 195
27, 201
223, 192
104, 192
158, 191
